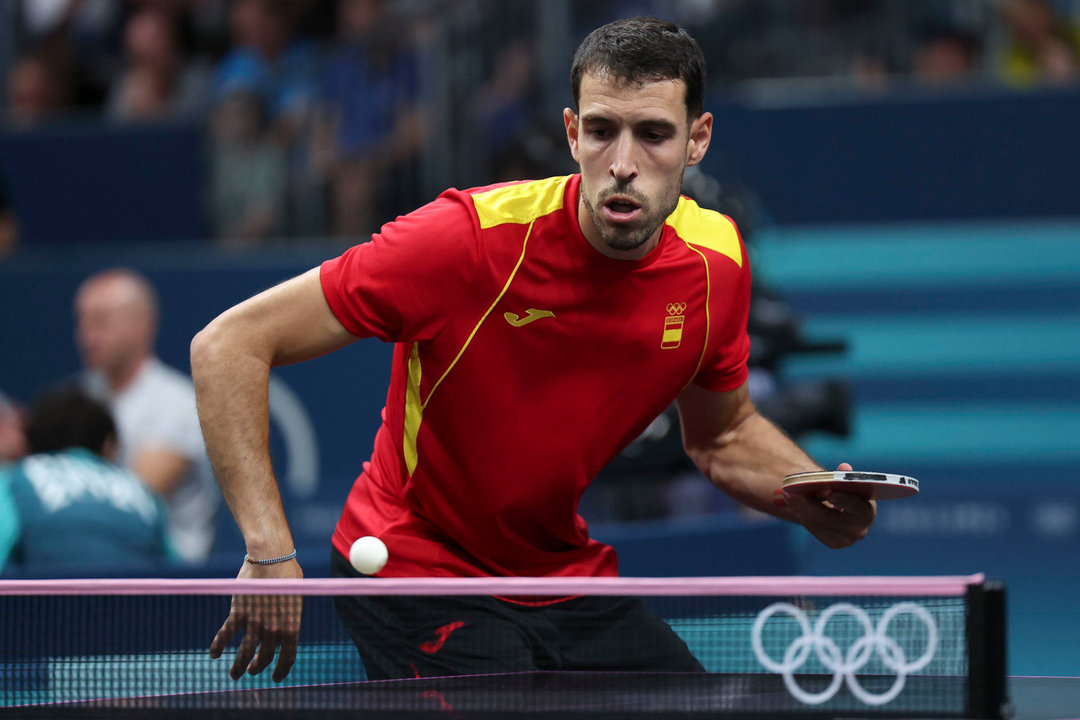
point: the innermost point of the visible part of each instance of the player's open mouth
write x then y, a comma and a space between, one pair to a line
621, 209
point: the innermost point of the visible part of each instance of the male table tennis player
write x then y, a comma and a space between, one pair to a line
538, 327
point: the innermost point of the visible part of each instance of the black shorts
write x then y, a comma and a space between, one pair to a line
424, 636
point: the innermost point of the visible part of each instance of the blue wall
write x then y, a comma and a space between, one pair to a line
902, 156
81, 182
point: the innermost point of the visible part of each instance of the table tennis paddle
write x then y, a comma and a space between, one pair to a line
870, 485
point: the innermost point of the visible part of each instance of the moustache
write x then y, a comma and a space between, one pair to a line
625, 191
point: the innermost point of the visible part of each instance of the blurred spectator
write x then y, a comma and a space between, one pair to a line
9, 224
158, 81
248, 172
504, 108
89, 23
67, 503
370, 132
1043, 46
945, 57
869, 70
139, 95
266, 58
36, 90
154, 405
78, 41
12, 435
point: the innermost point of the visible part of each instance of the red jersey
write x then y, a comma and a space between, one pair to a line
525, 361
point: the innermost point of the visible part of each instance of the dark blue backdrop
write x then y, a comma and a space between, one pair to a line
85, 182
903, 156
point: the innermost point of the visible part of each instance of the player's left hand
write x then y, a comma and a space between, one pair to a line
838, 519
265, 621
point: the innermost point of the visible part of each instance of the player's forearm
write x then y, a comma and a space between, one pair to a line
749, 461
231, 389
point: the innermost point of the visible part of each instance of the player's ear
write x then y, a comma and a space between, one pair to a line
700, 137
570, 119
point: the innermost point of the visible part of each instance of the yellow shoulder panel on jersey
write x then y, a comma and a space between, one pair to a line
520, 203
707, 229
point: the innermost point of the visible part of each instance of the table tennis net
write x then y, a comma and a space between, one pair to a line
908, 646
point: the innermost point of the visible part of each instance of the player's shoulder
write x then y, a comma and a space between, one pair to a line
519, 202
707, 230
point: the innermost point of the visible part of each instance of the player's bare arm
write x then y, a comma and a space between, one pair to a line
230, 362
746, 456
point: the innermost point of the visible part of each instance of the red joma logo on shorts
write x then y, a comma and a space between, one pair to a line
441, 635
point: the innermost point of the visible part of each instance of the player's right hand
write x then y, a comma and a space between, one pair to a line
838, 520
267, 622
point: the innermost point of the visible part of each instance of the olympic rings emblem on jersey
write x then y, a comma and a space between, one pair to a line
676, 308
845, 666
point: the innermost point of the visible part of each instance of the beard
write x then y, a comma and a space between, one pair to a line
628, 236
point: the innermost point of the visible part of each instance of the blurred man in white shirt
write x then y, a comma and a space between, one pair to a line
154, 404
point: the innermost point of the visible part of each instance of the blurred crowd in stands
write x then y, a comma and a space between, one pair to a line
331, 116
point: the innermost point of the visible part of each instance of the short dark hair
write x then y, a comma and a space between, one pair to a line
643, 49
68, 418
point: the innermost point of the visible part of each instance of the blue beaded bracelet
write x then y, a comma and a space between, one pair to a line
271, 561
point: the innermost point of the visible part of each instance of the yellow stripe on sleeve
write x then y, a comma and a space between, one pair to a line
706, 229
520, 203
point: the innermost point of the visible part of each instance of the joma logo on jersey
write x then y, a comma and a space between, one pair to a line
531, 315
673, 325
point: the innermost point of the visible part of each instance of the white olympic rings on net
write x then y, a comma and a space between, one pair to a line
845, 666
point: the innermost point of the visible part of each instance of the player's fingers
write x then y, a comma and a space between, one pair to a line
292, 607
831, 525
223, 636
286, 657
832, 538
268, 643
246, 651
810, 509
857, 508
819, 518
856, 526
841, 534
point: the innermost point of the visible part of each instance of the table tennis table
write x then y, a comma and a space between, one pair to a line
529, 696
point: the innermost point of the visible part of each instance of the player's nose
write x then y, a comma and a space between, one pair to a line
623, 163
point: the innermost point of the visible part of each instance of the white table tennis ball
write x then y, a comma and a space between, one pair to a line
368, 555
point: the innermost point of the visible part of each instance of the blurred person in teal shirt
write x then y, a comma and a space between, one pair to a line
12, 436
67, 505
